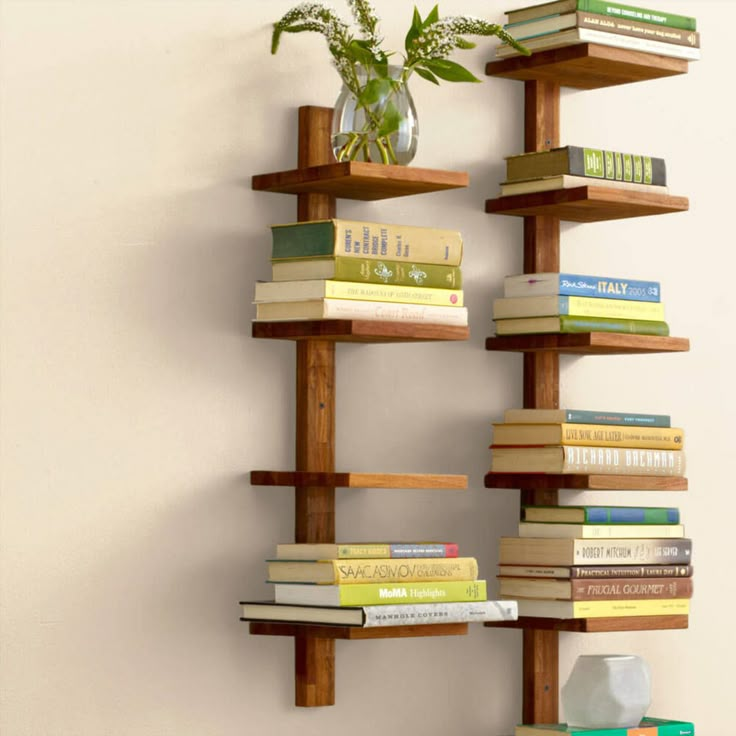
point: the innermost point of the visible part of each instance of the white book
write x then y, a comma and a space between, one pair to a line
592, 35
357, 309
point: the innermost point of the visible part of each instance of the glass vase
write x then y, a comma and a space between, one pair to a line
375, 119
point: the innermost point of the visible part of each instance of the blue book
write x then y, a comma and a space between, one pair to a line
573, 284
601, 514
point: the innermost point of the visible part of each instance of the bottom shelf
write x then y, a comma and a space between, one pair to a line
590, 625
268, 628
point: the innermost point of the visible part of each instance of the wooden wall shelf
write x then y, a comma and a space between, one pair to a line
358, 180
539, 481
587, 204
347, 330
358, 480
593, 625
589, 343
587, 66
355, 633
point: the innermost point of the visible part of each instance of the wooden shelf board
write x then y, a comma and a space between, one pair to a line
591, 625
351, 330
587, 66
589, 343
358, 180
543, 481
267, 628
593, 203
357, 480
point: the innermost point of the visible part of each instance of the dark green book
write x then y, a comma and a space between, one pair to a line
566, 324
596, 163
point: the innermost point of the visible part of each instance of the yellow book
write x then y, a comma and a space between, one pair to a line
599, 435
602, 609
284, 291
578, 306
345, 572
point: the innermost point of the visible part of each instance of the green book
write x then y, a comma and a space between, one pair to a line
601, 514
374, 594
602, 7
567, 324
596, 163
647, 727
368, 270
357, 239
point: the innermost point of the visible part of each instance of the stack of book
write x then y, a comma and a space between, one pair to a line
376, 584
647, 727
568, 22
575, 441
348, 269
566, 167
565, 303
597, 561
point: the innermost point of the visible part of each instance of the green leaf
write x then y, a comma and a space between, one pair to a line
390, 121
463, 43
415, 30
450, 71
360, 53
426, 74
432, 17
374, 91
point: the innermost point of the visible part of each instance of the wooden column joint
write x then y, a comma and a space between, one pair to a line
541, 391
314, 513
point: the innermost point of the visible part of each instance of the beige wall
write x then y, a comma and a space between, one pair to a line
134, 402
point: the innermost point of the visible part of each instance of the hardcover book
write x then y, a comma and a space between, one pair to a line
376, 594
575, 284
588, 460
368, 270
601, 531
603, 608
583, 416
596, 163
567, 324
596, 572
283, 291
358, 309
575, 306
602, 435
357, 239
604, 7
568, 181
347, 572
365, 550
403, 614
615, 515
564, 552
594, 590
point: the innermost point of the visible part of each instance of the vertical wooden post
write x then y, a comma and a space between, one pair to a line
541, 390
314, 516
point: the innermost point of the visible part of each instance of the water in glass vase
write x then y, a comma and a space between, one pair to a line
374, 118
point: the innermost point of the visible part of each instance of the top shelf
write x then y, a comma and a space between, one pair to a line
359, 180
587, 66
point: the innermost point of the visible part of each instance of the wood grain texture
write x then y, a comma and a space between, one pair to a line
589, 343
356, 632
315, 149
543, 482
593, 625
358, 480
540, 676
594, 203
360, 180
588, 66
349, 330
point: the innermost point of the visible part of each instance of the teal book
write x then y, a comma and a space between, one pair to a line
567, 324
602, 514
575, 284
647, 727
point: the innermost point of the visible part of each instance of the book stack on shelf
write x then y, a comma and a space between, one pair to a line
568, 22
648, 727
376, 584
535, 303
566, 167
587, 442
347, 269
597, 561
